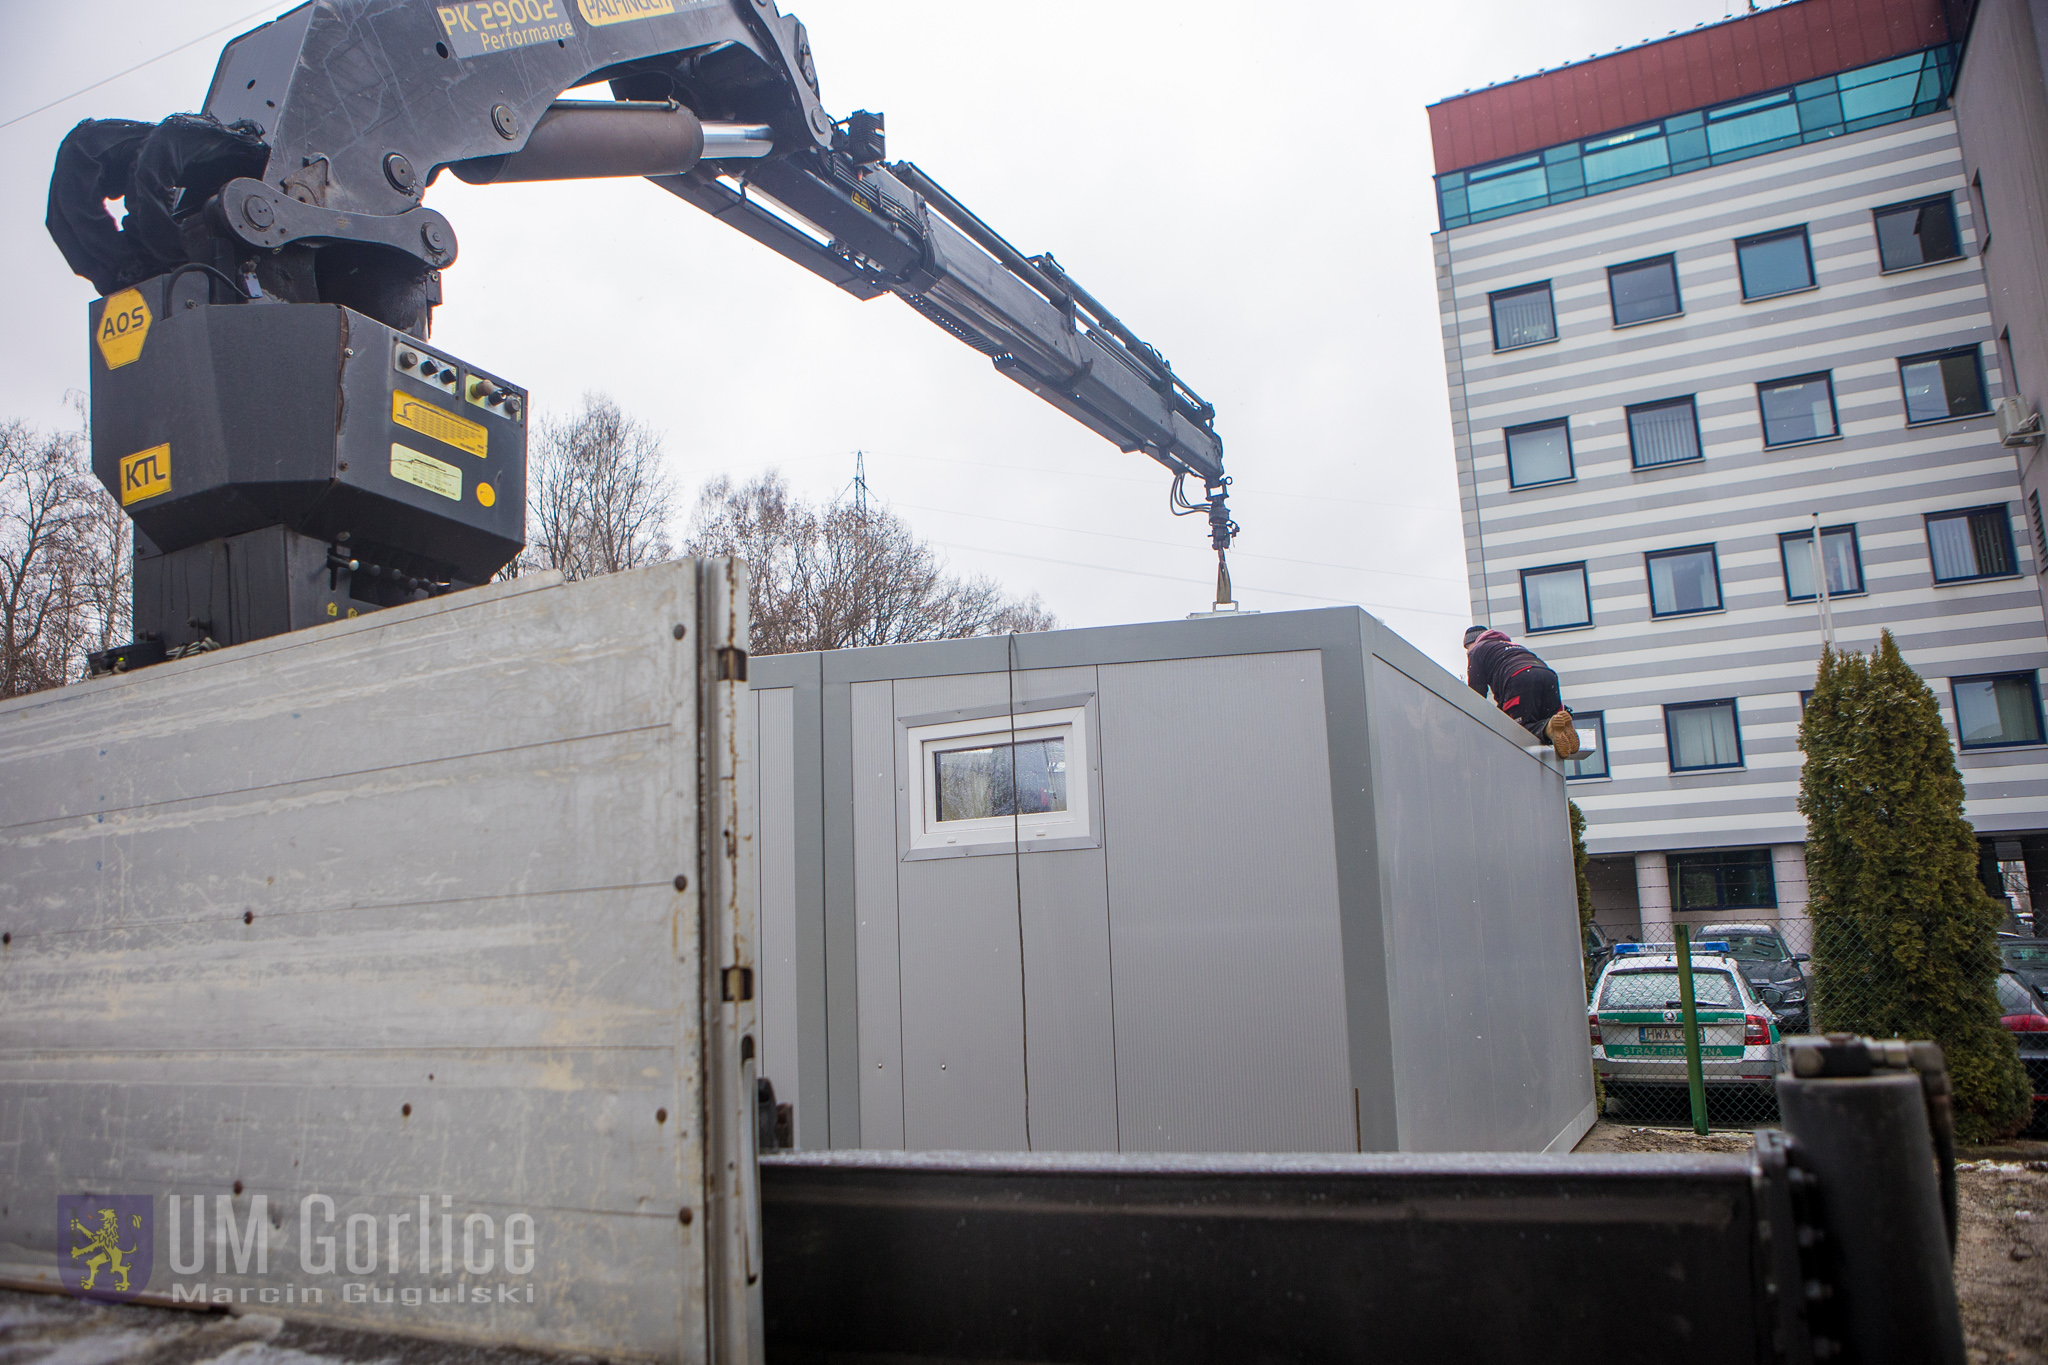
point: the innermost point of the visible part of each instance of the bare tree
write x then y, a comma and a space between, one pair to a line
55, 560
837, 576
598, 499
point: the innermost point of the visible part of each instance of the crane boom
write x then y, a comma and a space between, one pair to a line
304, 181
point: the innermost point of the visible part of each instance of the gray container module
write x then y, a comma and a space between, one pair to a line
388, 970
1306, 892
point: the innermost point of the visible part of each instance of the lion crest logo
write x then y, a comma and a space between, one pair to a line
110, 1240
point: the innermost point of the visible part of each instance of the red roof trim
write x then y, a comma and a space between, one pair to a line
1799, 41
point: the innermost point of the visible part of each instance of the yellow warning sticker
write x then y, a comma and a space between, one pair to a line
602, 12
439, 423
145, 474
123, 326
424, 471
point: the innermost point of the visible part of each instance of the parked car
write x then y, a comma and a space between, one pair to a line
2027, 959
1637, 1032
1773, 972
2025, 1015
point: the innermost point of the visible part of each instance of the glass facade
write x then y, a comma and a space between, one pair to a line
1869, 97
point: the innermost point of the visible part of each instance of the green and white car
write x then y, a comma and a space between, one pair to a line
1638, 1032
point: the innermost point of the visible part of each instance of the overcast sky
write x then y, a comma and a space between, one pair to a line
1246, 185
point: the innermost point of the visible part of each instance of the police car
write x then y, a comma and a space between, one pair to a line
1638, 1031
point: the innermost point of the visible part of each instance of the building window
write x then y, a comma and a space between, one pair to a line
1730, 879
1539, 453
1774, 263
2040, 530
1983, 213
1684, 581
1838, 551
1998, 711
1971, 544
1701, 735
1644, 290
1592, 759
1664, 432
1944, 385
1555, 598
1002, 781
1919, 233
1798, 409
1522, 317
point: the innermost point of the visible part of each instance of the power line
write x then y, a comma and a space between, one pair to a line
1173, 545
1198, 582
86, 90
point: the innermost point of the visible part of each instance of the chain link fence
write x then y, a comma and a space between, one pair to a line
1755, 984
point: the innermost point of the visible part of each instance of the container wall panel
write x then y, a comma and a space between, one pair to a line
1482, 926
1223, 906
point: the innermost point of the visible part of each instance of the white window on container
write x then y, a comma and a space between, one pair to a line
1011, 779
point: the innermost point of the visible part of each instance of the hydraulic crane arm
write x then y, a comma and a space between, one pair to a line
329, 123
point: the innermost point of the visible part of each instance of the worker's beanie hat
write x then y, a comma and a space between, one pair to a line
1472, 633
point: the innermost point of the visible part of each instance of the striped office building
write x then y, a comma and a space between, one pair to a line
1695, 295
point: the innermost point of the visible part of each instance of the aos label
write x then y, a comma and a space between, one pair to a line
123, 326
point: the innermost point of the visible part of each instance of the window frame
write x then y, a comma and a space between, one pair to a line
1671, 745
1585, 584
1571, 459
1668, 259
1650, 581
1493, 299
1805, 540
2004, 514
1945, 197
1763, 419
1598, 721
1691, 401
2033, 678
1674, 864
1758, 238
930, 837
1976, 353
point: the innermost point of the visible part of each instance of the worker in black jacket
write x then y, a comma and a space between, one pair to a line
1523, 685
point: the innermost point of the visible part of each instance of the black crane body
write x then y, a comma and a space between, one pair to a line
266, 399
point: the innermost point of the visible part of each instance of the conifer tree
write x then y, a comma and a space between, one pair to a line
1904, 937
1579, 872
